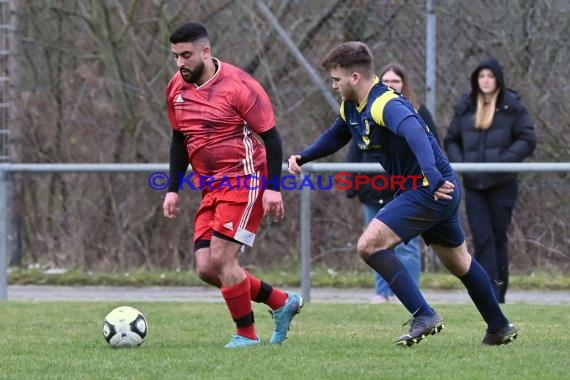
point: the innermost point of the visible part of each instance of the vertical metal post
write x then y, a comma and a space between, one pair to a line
430, 86
5, 11
306, 240
3, 235
4, 79
430, 57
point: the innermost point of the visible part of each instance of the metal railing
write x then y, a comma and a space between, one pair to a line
305, 199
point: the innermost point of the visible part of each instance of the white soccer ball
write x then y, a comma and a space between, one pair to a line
125, 326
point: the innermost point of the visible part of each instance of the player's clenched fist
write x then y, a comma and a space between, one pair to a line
294, 167
170, 205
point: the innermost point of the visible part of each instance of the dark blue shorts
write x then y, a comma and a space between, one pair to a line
415, 212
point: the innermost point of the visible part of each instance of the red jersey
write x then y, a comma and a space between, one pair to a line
217, 120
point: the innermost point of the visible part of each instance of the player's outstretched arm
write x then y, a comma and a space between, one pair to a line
334, 138
293, 162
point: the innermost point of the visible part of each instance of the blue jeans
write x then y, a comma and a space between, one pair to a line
408, 254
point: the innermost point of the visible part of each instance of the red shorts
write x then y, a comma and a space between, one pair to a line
233, 209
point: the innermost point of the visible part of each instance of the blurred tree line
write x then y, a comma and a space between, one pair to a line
88, 81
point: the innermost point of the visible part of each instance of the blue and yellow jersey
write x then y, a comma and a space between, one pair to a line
387, 127
374, 125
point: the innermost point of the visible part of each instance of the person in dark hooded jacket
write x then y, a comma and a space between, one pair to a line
490, 124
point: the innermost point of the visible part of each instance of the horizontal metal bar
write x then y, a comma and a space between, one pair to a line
458, 167
307, 168
83, 168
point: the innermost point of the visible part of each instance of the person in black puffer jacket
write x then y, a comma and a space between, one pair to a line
490, 124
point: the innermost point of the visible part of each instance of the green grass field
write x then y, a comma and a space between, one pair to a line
64, 340
283, 277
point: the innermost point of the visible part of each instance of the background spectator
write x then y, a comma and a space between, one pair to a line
490, 124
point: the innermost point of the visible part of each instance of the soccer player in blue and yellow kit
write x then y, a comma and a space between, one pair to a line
386, 126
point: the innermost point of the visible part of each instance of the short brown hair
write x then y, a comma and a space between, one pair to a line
350, 55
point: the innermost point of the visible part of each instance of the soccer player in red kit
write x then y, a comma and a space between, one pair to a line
218, 115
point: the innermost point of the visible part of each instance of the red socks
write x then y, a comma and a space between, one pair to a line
263, 292
239, 303
238, 298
